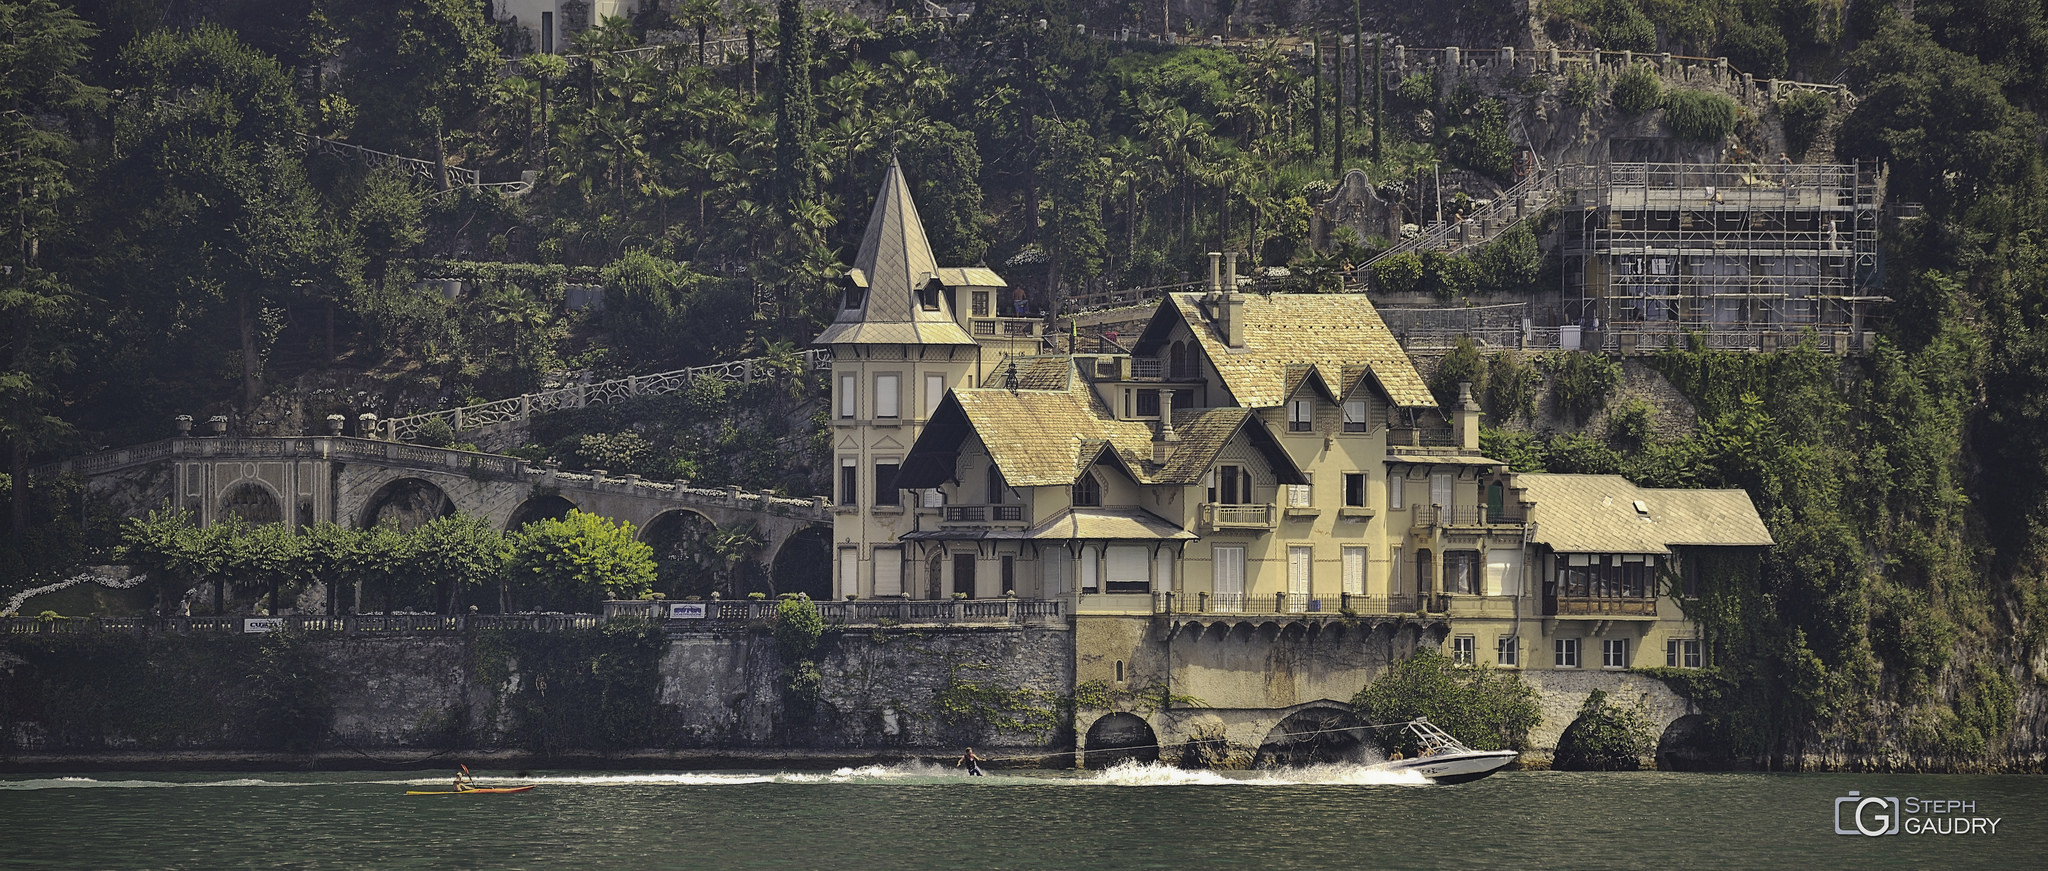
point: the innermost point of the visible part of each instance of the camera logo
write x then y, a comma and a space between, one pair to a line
1866, 815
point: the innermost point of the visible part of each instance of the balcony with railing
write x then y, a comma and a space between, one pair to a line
1217, 515
1599, 606
971, 515
1466, 517
1009, 328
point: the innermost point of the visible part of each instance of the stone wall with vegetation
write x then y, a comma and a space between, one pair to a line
625, 687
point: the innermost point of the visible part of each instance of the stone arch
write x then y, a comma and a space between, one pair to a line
1120, 736
1685, 745
548, 506
1320, 733
253, 502
406, 503
803, 564
685, 562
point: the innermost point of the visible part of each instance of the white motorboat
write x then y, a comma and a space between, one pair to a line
1444, 759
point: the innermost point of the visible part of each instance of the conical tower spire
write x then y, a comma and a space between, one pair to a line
891, 274
894, 255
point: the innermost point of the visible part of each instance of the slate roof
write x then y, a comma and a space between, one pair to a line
1049, 437
1597, 514
1341, 334
1074, 523
894, 263
1047, 372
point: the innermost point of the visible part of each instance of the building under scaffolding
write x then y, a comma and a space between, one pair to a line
1745, 255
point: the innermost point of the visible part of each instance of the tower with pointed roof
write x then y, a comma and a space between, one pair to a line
906, 331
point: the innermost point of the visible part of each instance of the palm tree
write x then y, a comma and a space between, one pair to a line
754, 19
702, 15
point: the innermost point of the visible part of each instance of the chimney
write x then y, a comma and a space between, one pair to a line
1215, 275
1230, 322
1164, 440
1230, 268
1465, 424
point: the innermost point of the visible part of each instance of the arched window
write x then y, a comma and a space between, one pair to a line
995, 485
1087, 491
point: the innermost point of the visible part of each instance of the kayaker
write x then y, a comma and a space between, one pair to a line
970, 762
462, 781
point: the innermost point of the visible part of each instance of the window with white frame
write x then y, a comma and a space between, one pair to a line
887, 387
888, 571
1227, 565
1355, 415
1300, 496
1354, 570
1301, 563
1567, 650
1394, 571
1301, 415
1462, 649
849, 481
934, 392
849, 571
980, 303
1396, 499
1127, 569
1683, 653
1440, 490
1508, 650
1613, 653
885, 484
849, 397
1354, 489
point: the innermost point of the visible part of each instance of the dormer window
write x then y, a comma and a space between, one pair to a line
1354, 415
1301, 415
852, 297
1088, 491
928, 296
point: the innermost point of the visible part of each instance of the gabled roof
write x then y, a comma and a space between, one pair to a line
1049, 437
1338, 333
1125, 524
1040, 372
1597, 514
895, 262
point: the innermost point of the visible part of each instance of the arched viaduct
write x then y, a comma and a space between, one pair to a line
357, 482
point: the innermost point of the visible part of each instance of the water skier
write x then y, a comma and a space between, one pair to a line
970, 762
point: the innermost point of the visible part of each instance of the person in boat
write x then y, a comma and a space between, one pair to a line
970, 762
463, 782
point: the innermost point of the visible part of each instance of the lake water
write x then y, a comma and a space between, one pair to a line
926, 817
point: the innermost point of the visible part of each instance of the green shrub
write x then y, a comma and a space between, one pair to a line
1461, 364
1637, 90
1398, 273
1754, 49
1605, 737
1631, 426
1417, 88
1805, 114
1487, 708
1699, 116
1580, 88
1581, 381
1509, 388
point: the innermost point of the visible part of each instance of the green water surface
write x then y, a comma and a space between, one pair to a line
921, 817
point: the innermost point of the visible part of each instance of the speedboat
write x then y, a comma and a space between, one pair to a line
1444, 759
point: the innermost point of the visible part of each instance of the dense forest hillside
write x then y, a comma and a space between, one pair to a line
174, 246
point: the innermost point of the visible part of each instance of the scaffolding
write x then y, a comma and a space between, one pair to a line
1739, 252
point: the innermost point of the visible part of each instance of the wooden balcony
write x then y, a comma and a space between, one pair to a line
972, 514
1599, 606
1217, 515
1472, 517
